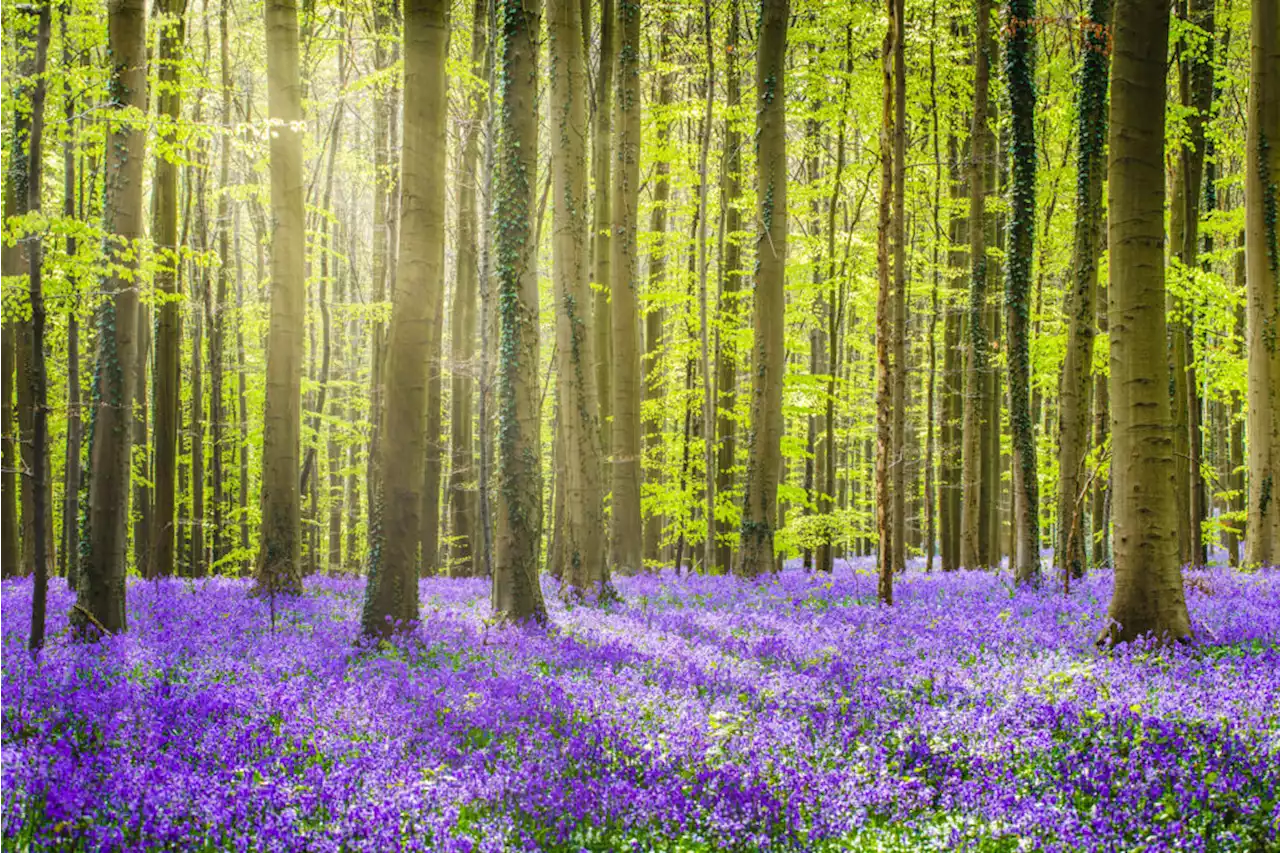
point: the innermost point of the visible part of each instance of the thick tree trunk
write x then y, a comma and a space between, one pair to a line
975, 416
391, 597
517, 589
1020, 69
764, 458
100, 594
1082, 298
1148, 595
279, 565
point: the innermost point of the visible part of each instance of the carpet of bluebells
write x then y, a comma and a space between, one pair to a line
698, 714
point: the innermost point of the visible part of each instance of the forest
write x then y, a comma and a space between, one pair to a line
663, 425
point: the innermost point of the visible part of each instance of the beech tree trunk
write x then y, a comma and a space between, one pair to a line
1082, 298
1262, 173
100, 594
975, 417
583, 541
764, 458
517, 589
1148, 595
602, 220
885, 540
900, 457
730, 288
391, 596
654, 386
1020, 71
462, 471
279, 565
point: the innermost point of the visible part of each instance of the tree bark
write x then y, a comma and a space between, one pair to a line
1020, 70
885, 324
764, 458
899, 459
100, 595
1082, 298
517, 589
975, 417
602, 219
1148, 596
279, 565
391, 597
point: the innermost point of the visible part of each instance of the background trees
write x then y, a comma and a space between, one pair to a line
274, 278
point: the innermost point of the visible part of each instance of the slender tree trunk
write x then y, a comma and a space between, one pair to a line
704, 211
100, 594
517, 590
217, 316
37, 376
602, 219
164, 232
1082, 301
975, 416
626, 546
949, 469
899, 459
730, 288
1020, 71
71, 472
1148, 595
279, 566
885, 324
462, 471
760, 495
1237, 488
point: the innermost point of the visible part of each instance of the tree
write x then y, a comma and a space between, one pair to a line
463, 490
602, 217
898, 334
973, 536
764, 465
1262, 260
1020, 73
1082, 298
583, 547
730, 280
885, 325
160, 556
626, 545
1148, 596
279, 567
517, 591
391, 597
100, 593
37, 377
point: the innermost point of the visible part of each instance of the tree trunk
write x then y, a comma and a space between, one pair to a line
217, 314
37, 377
391, 597
602, 219
730, 288
626, 546
462, 470
898, 462
654, 386
1262, 172
517, 589
974, 427
1081, 307
279, 566
1148, 595
885, 539
583, 542
1020, 70
760, 494
949, 468
100, 595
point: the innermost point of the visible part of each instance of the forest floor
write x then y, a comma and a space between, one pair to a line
701, 713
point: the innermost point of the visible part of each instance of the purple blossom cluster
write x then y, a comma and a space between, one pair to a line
700, 713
